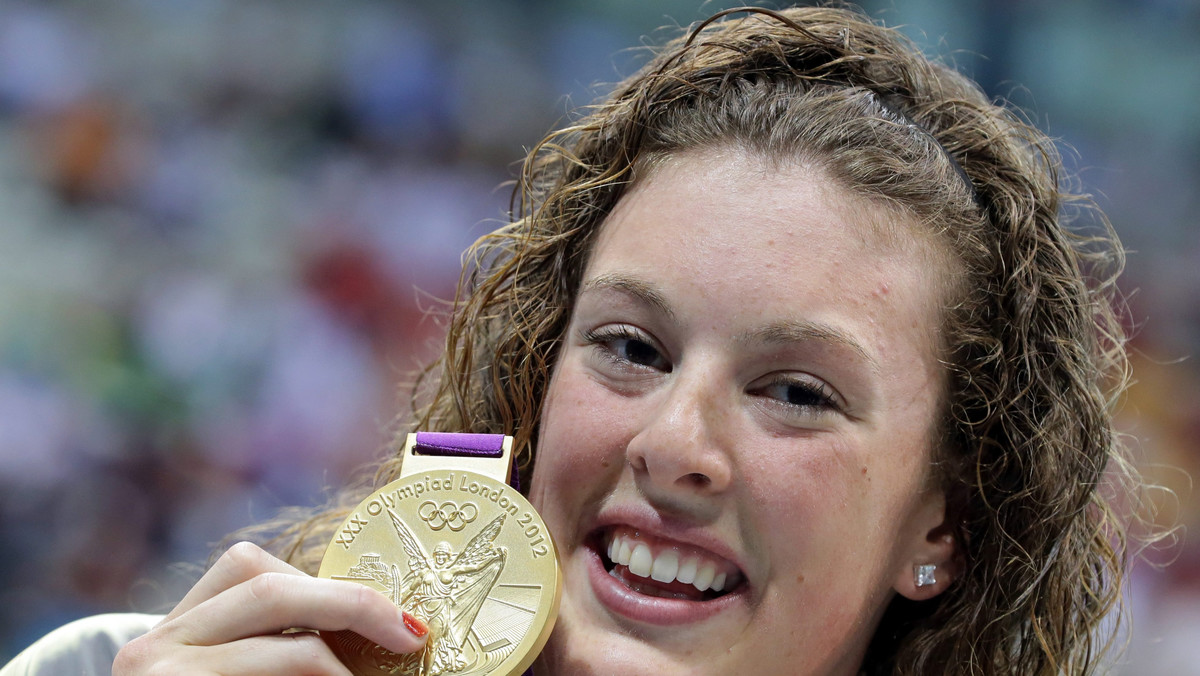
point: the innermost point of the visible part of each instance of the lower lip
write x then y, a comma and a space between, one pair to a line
623, 601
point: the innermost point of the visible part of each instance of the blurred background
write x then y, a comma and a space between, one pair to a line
221, 224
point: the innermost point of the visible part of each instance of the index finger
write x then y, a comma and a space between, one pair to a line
273, 602
240, 563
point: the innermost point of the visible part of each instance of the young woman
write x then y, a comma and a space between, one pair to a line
795, 305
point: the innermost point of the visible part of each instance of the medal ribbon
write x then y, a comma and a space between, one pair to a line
461, 444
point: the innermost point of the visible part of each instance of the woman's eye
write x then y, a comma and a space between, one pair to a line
629, 346
798, 393
637, 352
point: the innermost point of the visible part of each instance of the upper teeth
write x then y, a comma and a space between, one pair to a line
666, 567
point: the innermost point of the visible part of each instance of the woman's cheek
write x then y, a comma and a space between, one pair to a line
577, 447
804, 503
591, 423
804, 477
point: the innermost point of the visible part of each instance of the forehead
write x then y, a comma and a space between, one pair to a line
780, 236
777, 195
888, 223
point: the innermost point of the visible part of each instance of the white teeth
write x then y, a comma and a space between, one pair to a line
641, 561
624, 553
704, 576
665, 567
687, 571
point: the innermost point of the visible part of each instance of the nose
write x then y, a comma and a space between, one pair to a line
683, 447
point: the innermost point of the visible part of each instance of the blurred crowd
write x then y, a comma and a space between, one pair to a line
224, 226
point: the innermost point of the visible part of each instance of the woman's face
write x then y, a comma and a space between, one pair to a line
744, 401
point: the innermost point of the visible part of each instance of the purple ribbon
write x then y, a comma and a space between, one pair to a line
464, 444
458, 443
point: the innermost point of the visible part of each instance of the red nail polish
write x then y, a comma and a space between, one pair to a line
414, 625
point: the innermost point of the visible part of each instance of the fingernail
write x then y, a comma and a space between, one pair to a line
414, 625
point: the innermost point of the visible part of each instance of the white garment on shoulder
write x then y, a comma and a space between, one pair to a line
85, 647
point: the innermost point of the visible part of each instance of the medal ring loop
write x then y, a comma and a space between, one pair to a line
427, 512
468, 512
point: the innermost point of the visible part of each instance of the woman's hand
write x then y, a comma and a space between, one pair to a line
232, 622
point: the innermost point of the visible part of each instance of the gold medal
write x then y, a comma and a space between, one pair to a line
453, 544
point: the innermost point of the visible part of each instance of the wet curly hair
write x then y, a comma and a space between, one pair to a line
1031, 344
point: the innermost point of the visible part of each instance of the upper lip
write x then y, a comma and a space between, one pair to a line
668, 528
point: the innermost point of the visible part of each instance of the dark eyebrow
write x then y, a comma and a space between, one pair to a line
803, 331
633, 286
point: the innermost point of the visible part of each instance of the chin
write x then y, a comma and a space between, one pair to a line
593, 652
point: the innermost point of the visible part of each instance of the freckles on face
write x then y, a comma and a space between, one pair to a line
747, 384
800, 492
795, 485
581, 450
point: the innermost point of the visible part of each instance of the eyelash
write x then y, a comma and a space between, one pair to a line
816, 396
604, 339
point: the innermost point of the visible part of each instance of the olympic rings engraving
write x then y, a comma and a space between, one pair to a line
447, 514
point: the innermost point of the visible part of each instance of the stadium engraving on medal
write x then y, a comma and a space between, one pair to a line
463, 552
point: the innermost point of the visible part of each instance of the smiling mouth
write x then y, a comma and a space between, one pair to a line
653, 567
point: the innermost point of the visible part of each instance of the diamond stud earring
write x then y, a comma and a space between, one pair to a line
924, 574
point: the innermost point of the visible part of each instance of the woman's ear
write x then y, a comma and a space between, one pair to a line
934, 557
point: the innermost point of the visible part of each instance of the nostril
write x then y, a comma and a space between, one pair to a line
698, 480
636, 462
